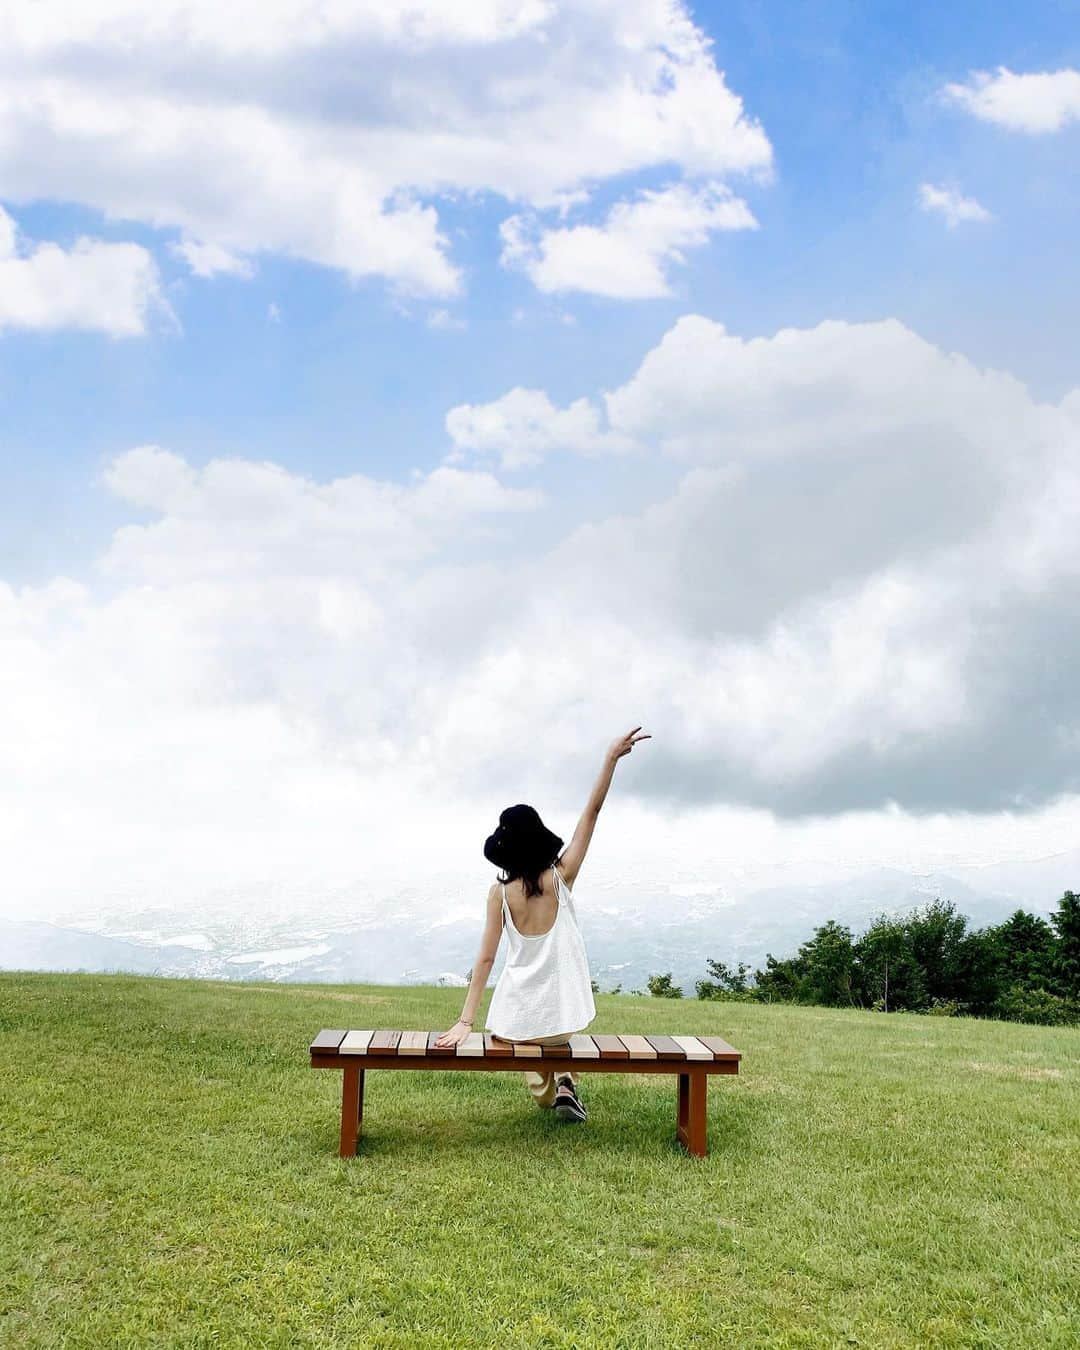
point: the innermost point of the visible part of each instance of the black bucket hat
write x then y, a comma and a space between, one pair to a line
522, 842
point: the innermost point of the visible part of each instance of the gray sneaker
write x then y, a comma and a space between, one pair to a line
568, 1105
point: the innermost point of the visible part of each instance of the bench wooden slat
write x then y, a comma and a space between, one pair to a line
638, 1047
472, 1047
720, 1048
666, 1047
392, 1042
326, 1041
611, 1047
693, 1048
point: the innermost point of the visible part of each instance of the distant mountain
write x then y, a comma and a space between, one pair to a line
1035, 884
772, 919
632, 930
45, 946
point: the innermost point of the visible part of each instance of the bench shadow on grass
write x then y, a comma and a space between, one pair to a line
474, 1117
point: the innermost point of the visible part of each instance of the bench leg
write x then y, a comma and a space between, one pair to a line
693, 1089
352, 1105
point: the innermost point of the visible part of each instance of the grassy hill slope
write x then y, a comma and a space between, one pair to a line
168, 1177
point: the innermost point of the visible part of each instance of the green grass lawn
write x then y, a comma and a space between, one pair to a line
169, 1176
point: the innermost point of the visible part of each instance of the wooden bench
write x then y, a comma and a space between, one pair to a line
693, 1058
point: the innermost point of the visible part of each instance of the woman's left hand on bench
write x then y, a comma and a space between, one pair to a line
457, 1033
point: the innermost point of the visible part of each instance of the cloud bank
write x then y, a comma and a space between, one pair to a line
859, 595
331, 133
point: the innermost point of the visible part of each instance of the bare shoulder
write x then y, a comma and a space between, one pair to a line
493, 907
565, 872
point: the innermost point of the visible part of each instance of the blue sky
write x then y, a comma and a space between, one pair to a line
349, 378
428, 208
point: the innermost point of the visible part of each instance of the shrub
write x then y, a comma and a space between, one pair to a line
726, 982
706, 989
660, 986
1038, 1006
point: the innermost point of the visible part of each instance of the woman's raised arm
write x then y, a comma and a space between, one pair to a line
574, 853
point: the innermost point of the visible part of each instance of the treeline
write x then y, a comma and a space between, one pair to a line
1024, 970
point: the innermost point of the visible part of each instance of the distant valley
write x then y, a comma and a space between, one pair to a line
633, 929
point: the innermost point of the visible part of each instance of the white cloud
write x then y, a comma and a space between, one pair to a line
861, 590
625, 258
442, 321
524, 426
210, 260
951, 204
239, 518
1040, 102
847, 594
329, 133
269, 27
107, 288
836, 389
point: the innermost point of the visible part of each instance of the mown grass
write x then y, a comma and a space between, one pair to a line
168, 1177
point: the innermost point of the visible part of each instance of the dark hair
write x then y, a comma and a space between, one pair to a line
530, 877
522, 846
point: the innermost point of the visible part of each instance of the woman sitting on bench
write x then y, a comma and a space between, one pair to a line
544, 994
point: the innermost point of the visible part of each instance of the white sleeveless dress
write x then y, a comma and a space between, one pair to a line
545, 988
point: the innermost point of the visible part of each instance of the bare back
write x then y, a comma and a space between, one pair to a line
533, 915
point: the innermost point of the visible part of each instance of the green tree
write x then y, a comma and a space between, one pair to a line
930, 960
924, 959
1024, 949
660, 986
830, 965
977, 981
887, 974
1066, 960
781, 981
820, 971
937, 935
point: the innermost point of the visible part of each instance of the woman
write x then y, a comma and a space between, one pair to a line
544, 994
